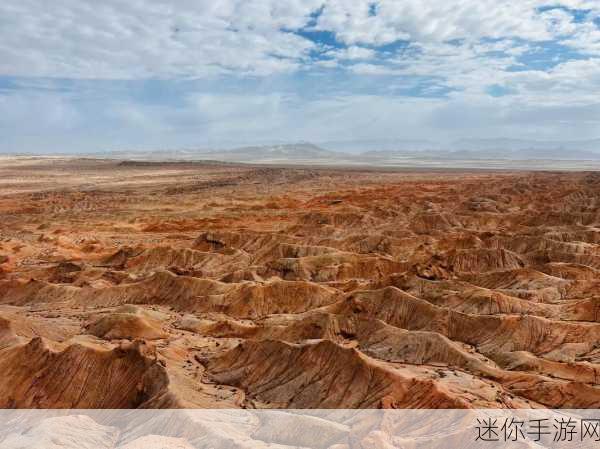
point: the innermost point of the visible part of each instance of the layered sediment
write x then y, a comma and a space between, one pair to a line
126, 286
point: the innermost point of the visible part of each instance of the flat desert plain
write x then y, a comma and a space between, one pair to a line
207, 285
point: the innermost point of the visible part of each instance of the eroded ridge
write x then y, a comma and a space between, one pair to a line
126, 285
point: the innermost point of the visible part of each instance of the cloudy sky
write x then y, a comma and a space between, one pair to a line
81, 75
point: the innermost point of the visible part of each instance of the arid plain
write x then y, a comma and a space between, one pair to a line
208, 285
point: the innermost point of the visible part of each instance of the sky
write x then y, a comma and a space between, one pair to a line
91, 75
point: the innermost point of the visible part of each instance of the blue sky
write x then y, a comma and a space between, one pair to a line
90, 76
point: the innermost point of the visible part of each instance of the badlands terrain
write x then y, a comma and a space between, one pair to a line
210, 285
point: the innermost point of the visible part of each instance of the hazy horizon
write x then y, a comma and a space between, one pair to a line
357, 147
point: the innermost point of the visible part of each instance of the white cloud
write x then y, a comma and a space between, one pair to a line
569, 83
352, 53
186, 38
585, 39
373, 69
432, 21
559, 22
455, 49
327, 63
137, 39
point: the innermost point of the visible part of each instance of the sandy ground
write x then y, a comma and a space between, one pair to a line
206, 285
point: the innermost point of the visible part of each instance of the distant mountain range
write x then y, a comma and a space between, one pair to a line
299, 152
517, 155
505, 144
501, 145
465, 150
392, 152
362, 146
